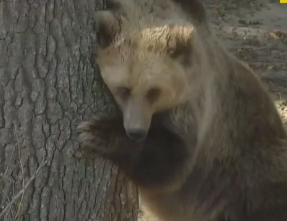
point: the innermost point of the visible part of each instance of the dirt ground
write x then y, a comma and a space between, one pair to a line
256, 32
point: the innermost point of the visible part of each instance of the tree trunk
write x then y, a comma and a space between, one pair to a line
48, 83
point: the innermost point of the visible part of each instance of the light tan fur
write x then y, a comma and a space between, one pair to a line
237, 144
139, 56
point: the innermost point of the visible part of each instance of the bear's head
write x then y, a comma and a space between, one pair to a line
144, 63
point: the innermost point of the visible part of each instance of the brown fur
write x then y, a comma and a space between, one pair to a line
216, 148
195, 9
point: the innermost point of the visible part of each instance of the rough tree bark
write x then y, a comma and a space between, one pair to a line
48, 83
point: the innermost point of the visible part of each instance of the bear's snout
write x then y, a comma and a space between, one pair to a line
136, 134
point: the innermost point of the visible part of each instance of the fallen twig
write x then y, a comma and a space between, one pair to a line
22, 191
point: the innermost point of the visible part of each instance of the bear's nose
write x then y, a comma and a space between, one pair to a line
136, 134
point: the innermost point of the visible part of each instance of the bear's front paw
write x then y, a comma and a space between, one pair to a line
95, 134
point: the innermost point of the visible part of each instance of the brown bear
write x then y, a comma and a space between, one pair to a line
199, 134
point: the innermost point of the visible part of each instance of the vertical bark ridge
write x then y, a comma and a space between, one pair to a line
48, 83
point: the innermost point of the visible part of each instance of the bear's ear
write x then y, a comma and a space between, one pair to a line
108, 26
180, 43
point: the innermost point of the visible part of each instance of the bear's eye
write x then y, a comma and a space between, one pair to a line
124, 92
153, 94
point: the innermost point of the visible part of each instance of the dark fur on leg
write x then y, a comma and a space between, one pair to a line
150, 164
269, 214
